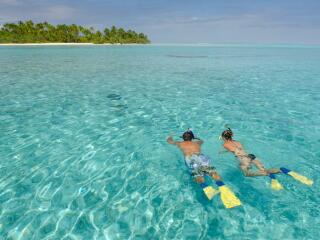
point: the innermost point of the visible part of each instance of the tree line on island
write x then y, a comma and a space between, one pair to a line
29, 32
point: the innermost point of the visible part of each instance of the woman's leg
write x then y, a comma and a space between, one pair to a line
262, 168
258, 164
246, 172
273, 170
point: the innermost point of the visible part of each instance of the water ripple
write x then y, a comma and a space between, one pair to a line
83, 150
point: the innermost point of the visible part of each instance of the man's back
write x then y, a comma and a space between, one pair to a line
188, 148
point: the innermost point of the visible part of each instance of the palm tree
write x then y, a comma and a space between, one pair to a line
28, 32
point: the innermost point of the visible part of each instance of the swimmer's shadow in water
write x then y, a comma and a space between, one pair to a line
114, 96
119, 107
116, 103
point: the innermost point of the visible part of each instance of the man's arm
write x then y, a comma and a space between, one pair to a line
170, 141
200, 142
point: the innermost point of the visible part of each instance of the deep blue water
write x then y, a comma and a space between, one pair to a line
83, 152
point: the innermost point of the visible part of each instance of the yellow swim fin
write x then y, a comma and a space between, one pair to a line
297, 176
301, 178
228, 198
275, 185
210, 192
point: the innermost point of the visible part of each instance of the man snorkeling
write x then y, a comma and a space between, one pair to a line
245, 160
199, 166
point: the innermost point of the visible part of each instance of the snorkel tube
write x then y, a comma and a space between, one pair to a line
226, 134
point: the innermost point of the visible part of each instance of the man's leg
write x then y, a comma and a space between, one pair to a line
211, 171
199, 179
228, 198
197, 175
215, 175
209, 191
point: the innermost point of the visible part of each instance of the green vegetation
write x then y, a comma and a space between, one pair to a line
29, 32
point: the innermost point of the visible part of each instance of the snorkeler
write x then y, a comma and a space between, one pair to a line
246, 160
199, 166
197, 163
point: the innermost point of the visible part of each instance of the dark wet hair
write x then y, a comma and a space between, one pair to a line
188, 136
227, 134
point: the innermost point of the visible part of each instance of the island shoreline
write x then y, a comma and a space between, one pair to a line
71, 44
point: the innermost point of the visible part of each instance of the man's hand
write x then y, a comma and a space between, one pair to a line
200, 142
170, 140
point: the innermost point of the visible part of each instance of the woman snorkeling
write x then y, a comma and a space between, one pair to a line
246, 160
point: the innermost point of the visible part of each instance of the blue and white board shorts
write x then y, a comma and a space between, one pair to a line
199, 165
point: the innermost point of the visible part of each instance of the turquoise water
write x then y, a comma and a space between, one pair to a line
83, 152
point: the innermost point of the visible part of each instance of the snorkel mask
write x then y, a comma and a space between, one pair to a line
226, 134
188, 135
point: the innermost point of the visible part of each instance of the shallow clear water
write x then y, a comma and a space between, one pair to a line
83, 152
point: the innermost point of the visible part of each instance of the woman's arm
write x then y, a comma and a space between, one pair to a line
226, 147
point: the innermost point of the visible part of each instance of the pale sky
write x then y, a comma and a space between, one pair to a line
182, 21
